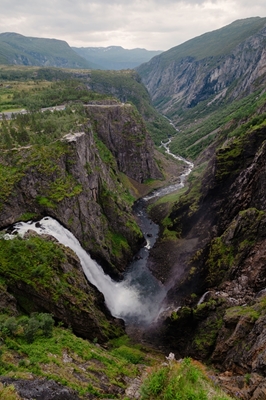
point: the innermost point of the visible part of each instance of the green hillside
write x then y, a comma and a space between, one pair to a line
19, 49
212, 44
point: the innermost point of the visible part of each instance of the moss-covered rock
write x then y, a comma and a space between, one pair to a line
77, 181
45, 276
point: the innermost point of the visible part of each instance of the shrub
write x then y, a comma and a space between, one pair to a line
10, 326
31, 329
46, 323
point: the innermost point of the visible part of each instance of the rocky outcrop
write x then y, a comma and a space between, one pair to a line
221, 252
177, 82
77, 181
58, 287
123, 131
40, 389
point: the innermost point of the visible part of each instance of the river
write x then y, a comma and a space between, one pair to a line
138, 298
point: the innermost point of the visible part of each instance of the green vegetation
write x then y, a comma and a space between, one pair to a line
205, 337
220, 260
212, 44
127, 87
27, 328
250, 312
225, 254
34, 93
104, 153
187, 198
45, 270
43, 159
19, 49
31, 345
35, 88
9, 176
178, 381
204, 124
40, 259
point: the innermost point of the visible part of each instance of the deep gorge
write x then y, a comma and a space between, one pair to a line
95, 167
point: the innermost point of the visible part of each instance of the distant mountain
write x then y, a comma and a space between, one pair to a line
116, 57
216, 67
21, 50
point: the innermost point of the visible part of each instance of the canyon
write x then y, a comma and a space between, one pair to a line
210, 251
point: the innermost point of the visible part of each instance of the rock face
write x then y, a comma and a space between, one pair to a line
222, 253
40, 389
78, 181
60, 288
187, 75
123, 131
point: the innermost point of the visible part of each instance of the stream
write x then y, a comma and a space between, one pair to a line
138, 298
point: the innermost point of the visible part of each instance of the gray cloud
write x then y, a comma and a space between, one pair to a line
151, 24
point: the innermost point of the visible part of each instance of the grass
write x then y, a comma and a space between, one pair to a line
179, 381
65, 358
251, 312
211, 44
202, 125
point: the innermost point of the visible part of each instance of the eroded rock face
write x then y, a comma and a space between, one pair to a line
77, 181
123, 131
41, 389
68, 295
227, 261
189, 81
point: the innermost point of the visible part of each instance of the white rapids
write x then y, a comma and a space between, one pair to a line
176, 186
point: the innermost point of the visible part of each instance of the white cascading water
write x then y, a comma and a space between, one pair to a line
176, 186
138, 299
125, 299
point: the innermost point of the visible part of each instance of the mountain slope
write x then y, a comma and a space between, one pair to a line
115, 57
215, 67
211, 250
22, 50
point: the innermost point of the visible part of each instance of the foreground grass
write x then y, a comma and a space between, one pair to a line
184, 380
55, 353
61, 356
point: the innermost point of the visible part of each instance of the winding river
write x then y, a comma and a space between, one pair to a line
138, 298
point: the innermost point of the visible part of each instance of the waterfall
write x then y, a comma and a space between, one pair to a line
137, 299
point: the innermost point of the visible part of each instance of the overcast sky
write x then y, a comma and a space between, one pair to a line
150, 24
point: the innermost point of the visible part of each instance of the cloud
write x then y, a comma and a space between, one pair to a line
151, 24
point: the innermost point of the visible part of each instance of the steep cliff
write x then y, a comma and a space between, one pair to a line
221, 226
78, 181
44, 276
217, 66
123, 131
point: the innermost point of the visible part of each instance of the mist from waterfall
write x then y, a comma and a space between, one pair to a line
137, 299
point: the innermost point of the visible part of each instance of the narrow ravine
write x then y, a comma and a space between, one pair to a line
138, 298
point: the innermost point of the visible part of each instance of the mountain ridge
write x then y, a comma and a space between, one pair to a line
17, 49
23, 50
196, 65
116, 57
